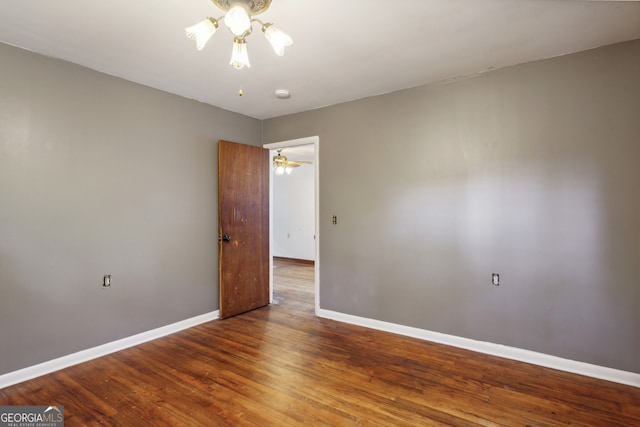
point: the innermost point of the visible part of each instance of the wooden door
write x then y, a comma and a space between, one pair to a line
243, 227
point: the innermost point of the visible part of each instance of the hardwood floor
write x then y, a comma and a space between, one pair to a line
282, 366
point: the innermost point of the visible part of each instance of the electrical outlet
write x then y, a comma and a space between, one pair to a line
106, 281
495, 279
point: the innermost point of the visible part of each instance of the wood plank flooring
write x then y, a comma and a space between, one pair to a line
282, 366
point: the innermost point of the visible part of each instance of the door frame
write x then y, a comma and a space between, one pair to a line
315, 140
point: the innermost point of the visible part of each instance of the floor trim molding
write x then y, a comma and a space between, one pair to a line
513, 353
527, 356
295, 260
44, 368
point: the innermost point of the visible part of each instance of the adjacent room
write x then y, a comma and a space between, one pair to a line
285, 212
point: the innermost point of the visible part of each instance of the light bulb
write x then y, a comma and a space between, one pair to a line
202, 32
239, 54
237, 19
277, 38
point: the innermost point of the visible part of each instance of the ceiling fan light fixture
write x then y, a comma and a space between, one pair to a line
239, 16
282, 165
202, 32
277, 38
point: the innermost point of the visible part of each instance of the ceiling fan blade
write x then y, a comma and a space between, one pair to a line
298, 162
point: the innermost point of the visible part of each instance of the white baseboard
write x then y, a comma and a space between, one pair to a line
102, 350
527, 356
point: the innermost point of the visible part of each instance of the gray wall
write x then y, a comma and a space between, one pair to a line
530, 172
102, 176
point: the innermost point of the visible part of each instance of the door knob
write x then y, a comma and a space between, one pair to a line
226, 238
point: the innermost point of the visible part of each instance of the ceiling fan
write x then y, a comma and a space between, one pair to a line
281, 164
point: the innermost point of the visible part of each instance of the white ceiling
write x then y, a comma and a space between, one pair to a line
343, 50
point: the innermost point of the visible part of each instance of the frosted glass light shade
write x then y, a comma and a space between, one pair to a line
239, 54
237, 19
277, 38
202, 32
279, 170
288, 170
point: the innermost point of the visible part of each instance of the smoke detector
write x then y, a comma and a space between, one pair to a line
282, 94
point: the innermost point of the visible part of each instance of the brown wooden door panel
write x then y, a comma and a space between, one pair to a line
243, 227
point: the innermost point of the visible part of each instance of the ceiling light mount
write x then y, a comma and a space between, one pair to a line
254, 7
239, 16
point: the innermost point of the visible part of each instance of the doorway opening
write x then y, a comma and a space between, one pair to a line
294, 216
